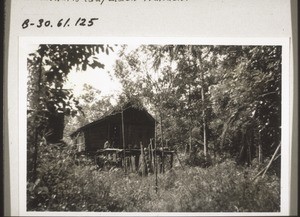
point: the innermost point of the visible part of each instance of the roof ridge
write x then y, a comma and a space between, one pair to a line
113, 111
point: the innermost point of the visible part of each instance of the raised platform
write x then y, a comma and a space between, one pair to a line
159, 151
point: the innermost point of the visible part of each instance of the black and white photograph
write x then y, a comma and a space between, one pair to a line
150, 108
154, 127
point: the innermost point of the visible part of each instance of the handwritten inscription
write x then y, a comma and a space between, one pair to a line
80, 22
43, 23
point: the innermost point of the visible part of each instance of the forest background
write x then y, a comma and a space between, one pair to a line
219, 107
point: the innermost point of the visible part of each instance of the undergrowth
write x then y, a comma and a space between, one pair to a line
69, 185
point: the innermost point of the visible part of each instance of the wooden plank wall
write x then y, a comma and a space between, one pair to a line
139, 127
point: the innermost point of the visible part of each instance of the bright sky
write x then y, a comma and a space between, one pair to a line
98, 78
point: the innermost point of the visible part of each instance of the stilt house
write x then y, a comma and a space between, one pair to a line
126, 127
125, 136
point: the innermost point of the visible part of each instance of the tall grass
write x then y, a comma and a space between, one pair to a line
222, 188
225, 187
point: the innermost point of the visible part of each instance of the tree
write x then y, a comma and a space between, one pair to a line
247, 100
92, 107
226, 98
141, 80
175, 80
48, 101
193, 79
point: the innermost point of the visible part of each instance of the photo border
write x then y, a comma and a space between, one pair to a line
286, 114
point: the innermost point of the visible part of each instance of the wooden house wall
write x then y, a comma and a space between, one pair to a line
134, 134
95, 137
115, 134
138, 127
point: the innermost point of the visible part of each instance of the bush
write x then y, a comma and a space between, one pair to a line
222, 188
68, 183
64, 185
198, 159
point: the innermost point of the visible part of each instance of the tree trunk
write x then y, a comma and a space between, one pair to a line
249, 154
161, 130
260, 159
142, 160
35, 155
190, 120
123, 140
264, 170
162, 145
272, 159
203, 104
186, 148
190, 140
152, 155
36, 119
259, 149
249, 142
203, 116
155, 159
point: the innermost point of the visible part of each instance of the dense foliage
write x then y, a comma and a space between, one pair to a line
70, 183
92, 106
219, 99
48, 101
219, 107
